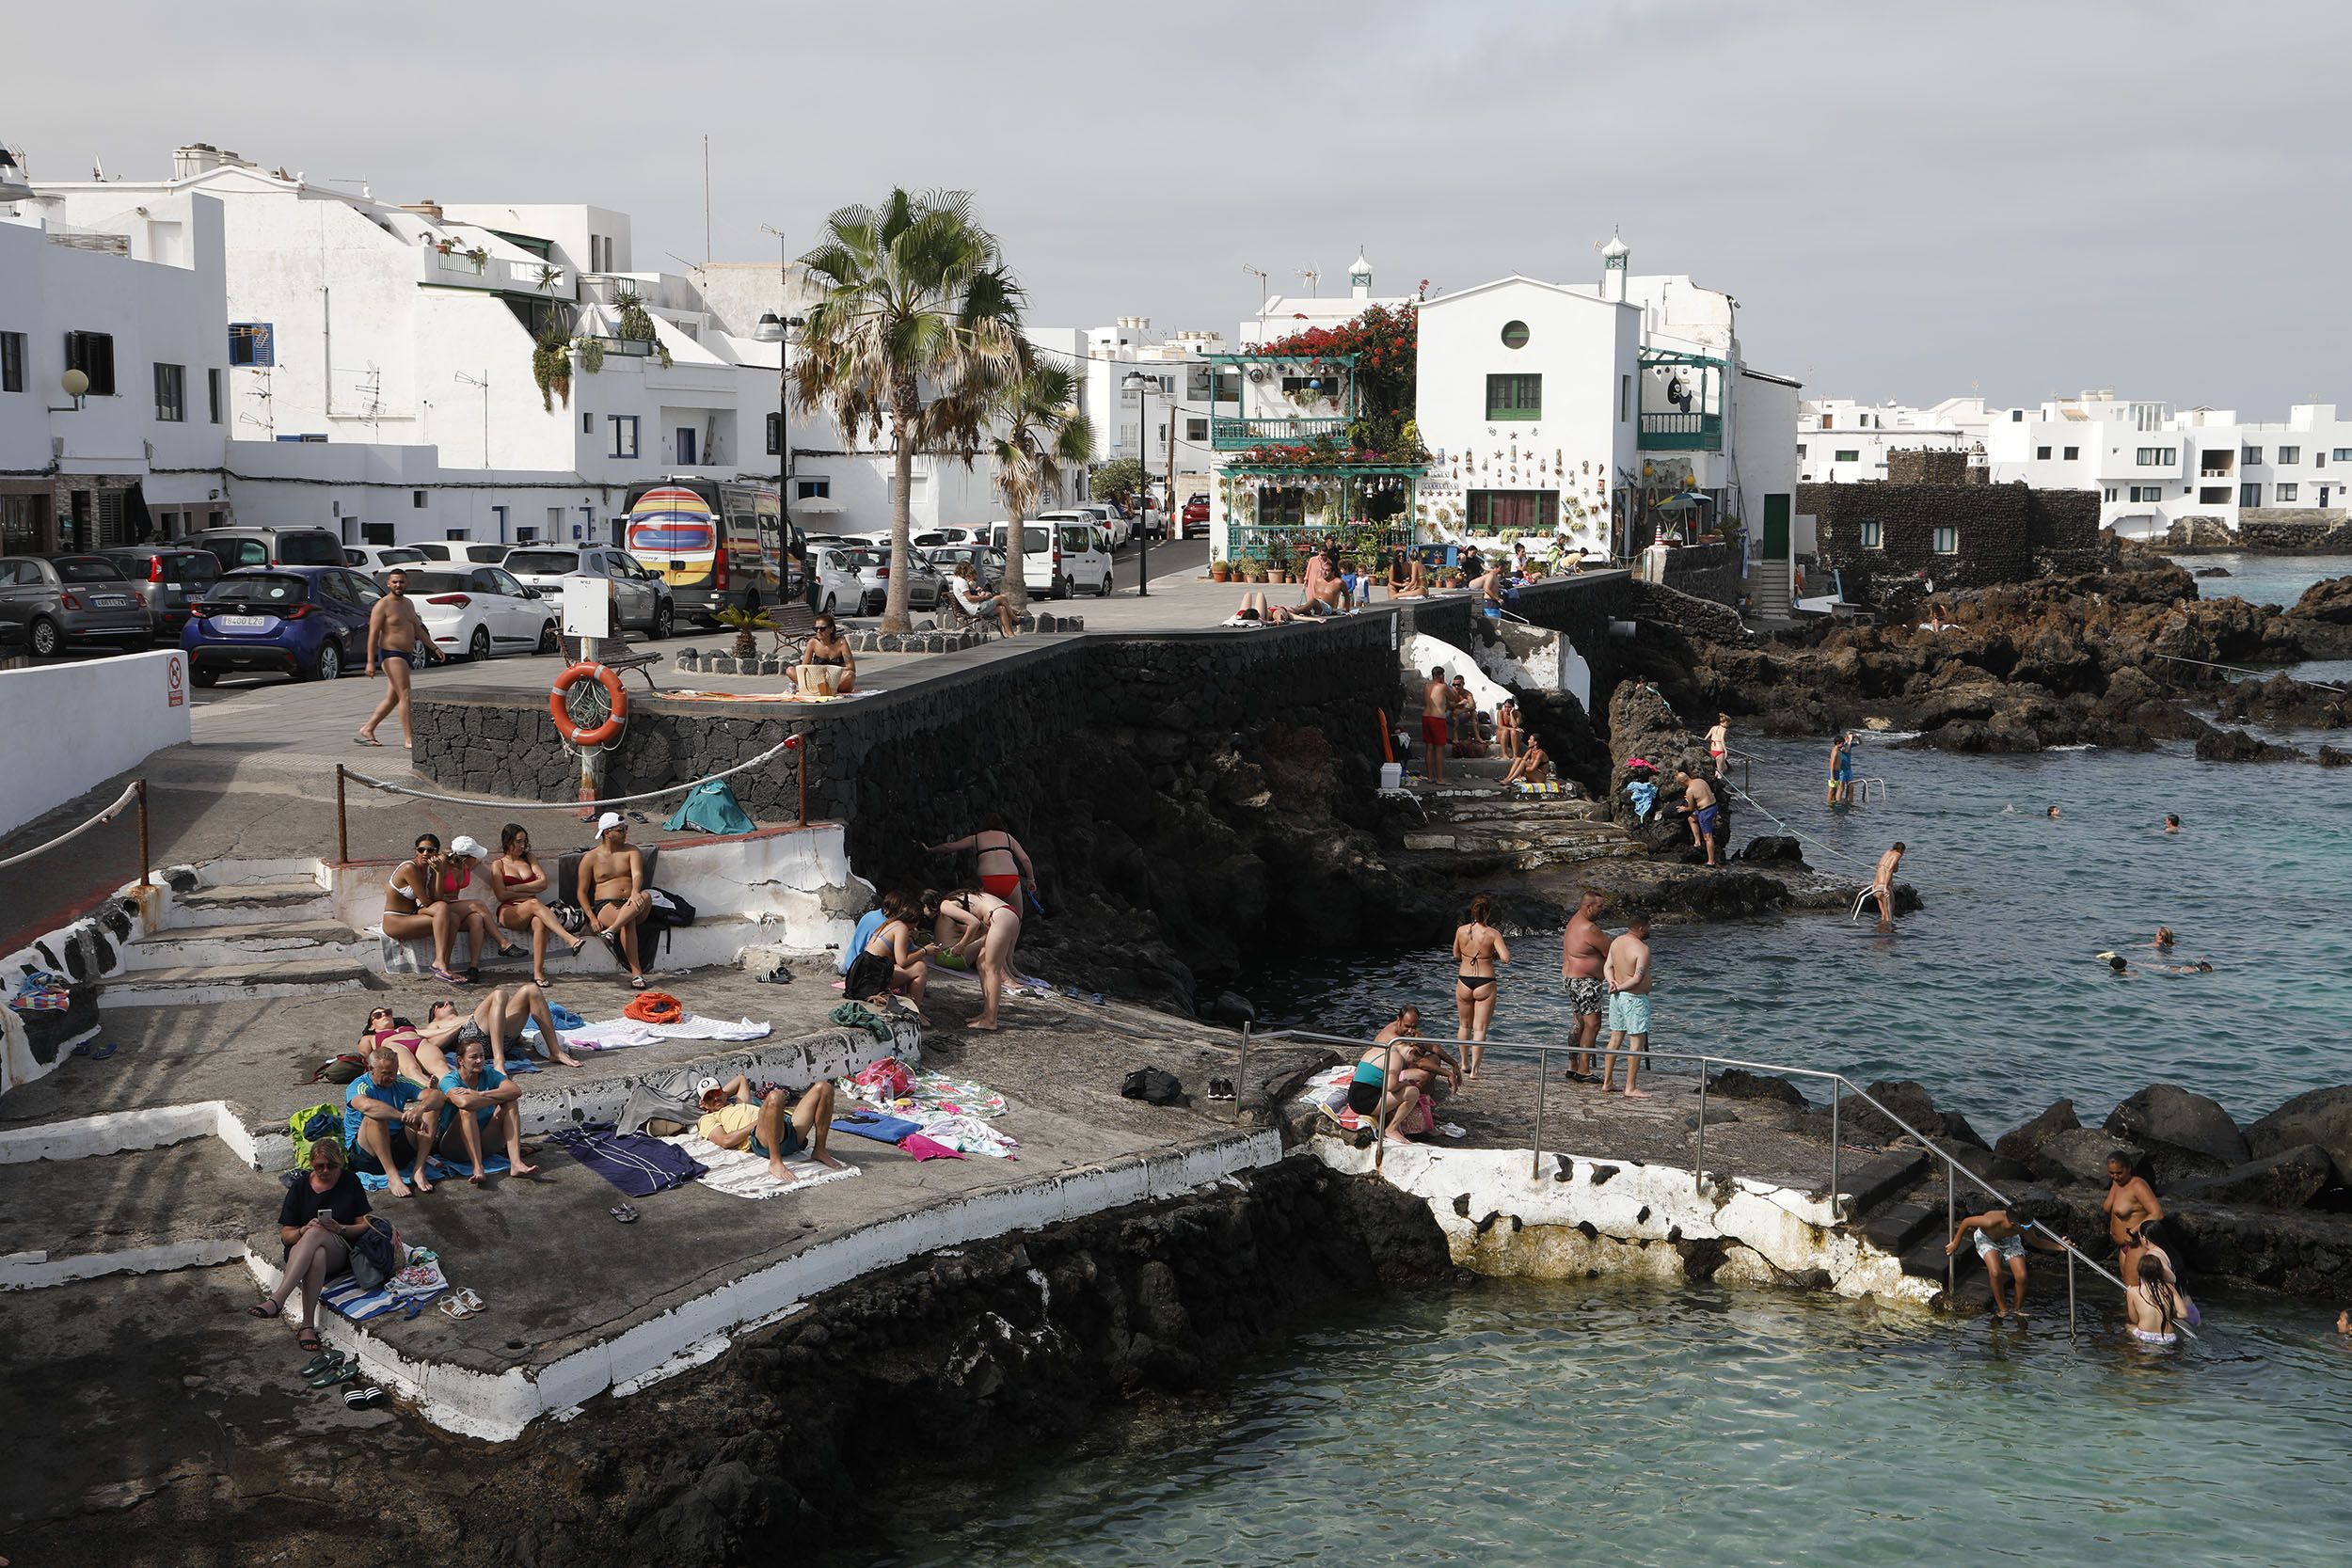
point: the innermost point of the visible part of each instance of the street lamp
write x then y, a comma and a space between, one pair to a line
1138, 382
775, 327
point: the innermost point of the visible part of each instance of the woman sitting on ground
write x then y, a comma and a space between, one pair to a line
978, 603
827, 649
1408, 577
1532, 765
891, 959
516, 881
324, 1211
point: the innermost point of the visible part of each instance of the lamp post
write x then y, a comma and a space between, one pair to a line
777, 329
1137, 382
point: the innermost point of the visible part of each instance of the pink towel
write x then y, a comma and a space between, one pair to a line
924, 1147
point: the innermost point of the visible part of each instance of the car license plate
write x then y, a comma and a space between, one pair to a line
239, 623
109, 601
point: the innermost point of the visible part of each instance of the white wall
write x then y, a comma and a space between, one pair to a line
56, 702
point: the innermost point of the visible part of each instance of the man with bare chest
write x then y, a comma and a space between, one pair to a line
396, 639
1437, 707
1583, 949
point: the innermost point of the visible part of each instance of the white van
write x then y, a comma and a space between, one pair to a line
1060, 559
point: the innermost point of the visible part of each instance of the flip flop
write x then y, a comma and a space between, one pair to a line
360, 1398
322, 1362
96, 1053
638, 982
334, 1376
365, 740
623, 1213
446, 978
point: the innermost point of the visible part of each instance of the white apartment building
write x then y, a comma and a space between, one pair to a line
2151, 466
129, 309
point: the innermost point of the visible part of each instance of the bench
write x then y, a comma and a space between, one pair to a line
615, 655
793, 624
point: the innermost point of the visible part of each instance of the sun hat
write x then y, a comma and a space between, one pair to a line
465, 848
609, 821
706, 1085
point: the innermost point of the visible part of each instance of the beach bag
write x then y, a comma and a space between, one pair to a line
315, 1124
668, 908
376, 1256
571, 916
339, 1068
654, 1007
711, 807
1154, 1085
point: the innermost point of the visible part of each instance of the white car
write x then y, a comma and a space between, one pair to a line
375, 559
838, 586
461, 552
939, 538
644, 600
1121, 529
1060, 559
1102, 519
475, 612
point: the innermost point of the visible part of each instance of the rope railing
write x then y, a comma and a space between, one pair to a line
2243, 670
1542, 1052
135, 791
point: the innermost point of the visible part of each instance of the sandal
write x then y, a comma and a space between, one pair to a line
308, 1338
623, 1213
360, 1398
638, 982
471, 1302
453, 1307
264, 1308
449, 978
334, 1376
318, 1364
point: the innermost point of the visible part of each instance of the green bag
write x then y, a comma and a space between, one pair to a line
314, 1125
856, 1015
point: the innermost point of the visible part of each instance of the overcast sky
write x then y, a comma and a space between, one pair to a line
1909, 201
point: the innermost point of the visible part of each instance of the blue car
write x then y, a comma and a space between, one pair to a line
307, 621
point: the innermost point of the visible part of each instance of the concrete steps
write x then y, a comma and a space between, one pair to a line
203, 946
264, 974
706, 943
259, 903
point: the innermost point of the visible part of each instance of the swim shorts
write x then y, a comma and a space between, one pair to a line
2012, 1248
1629, 1012
1433, 729
1708, 818
1587, 996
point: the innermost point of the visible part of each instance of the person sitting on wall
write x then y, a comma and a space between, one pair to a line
1408, 577
1465, 736
1533, 765
613, 891
1509, 733
827, 649
771, 1126
324, 1211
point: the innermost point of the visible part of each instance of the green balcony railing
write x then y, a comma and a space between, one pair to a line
1682, 433
1230, 432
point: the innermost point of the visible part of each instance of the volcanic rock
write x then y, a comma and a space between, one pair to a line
2184, 1134
2322, 1117
2020, 1144
2287, 1180
2238, 746
2079, 1156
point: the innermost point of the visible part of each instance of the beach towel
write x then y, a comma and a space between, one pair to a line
566, 1020
874, 1125
615, 1034
638, 1165
709, 807
435, 1169
923, 1147
418, 1281
740, 1173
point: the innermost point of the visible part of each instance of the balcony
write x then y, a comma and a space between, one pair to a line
1230, 433
454, 269
1682, 433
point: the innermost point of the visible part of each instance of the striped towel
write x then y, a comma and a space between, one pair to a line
343, 1294
739, 1174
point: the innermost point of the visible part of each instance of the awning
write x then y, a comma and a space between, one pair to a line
818, 506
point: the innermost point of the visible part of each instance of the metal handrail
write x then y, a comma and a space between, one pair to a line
1542, 1052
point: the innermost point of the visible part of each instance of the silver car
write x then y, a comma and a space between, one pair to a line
70, 599
166, 577
646, 601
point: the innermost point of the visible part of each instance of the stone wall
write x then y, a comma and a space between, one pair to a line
1926, 466
1705, 571
2005, 533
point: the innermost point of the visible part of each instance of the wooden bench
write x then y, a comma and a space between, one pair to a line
615, 655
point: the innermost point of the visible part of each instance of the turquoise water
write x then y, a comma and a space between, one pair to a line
1591, 1424
1990, 995
2277, 579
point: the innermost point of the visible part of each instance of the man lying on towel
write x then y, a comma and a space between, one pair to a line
771, 1126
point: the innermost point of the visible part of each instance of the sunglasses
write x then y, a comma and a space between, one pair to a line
380, 1012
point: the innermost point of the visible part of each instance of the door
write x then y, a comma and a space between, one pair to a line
686, 446
634, 594
1776, 527
18, 584
504, 609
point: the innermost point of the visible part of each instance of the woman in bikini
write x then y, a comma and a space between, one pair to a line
826, 648
418, 902
1408, 577
516, 882
891, 959
980, 928
1477, 948
1385, 1089
2154, 1302
1003, 865
1508, 731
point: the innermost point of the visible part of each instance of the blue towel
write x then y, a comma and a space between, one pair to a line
874, 1125
437, 1169
638, 1165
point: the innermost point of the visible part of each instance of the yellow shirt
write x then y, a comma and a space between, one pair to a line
734, 1117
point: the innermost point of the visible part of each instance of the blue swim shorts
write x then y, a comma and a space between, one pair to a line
1629, 1012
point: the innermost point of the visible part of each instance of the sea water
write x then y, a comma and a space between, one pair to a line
2278, 580
1570, 1424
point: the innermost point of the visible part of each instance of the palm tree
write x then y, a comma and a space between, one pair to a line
1040, 436
917, 327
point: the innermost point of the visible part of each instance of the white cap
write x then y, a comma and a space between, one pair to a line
469, 848
609, 821
706, 1085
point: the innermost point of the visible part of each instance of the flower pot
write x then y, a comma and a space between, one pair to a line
1255, 574
1277, 574
1220, 572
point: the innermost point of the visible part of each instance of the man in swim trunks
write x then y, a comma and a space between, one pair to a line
1841, 770
1627, 974
770, 1125
1437, 705
613, 891
1883, 885
1699, 803
396, 639
1583, 950
2001, 1238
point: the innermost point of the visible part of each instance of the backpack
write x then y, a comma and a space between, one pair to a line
339, 1068
668, 909
376, 1256
1154, 1085
315, 1125
711, 807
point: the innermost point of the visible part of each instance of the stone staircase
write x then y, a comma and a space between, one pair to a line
1771, 586
241, 929
1470, 818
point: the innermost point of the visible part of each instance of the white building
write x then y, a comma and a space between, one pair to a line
133, 304
1840, 441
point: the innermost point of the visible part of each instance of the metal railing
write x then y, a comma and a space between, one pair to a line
134, 791
1543, 1052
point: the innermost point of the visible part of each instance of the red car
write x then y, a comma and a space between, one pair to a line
1195, 511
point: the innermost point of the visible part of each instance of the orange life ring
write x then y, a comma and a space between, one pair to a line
560, 712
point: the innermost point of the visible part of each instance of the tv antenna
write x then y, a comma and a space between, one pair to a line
1258, 273
1314, 281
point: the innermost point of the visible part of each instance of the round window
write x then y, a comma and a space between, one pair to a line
1514, 334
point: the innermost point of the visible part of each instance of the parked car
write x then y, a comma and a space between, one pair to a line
837, 584
987, 561
310, 623
239, 547
931, 539
166, 578
1195, 511
65, 599
375, 560
645, 603
1057, 559
458, 552
1113, 522
480, 610
873, 570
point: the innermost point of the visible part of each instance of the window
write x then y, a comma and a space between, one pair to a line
1799, 450
93, 355
2156, 457
171, 393
2253, 455
803, 490
1829, 422
2073, 453
20, 519
1515, 397
1625, 401
2290, 455
2041, 454
1493, 511
2109, 494
416, 498
253, 343
2249, 495
2212, 495
686, 444
1196, 430
212, 391
2342, 455
2017, 415
775, 433
2283, 492
1292, 386
1846, 454
1872, 534
1946, 540
623, 428
587, 422
11, 361
1514, 334
2147, 492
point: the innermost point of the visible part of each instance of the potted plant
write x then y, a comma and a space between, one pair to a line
1221, 571
746, 624
479, 257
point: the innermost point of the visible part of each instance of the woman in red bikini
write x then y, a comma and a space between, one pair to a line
1004, 865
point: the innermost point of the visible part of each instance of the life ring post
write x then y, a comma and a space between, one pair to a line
616, 719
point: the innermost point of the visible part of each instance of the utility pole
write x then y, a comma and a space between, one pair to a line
1171, 509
